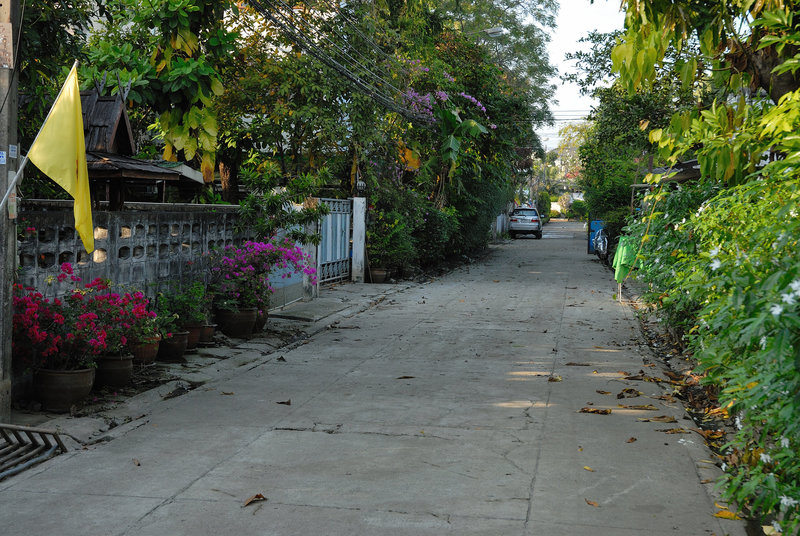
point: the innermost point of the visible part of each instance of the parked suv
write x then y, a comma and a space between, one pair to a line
525, 221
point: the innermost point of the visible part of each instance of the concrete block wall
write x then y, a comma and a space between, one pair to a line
148, 247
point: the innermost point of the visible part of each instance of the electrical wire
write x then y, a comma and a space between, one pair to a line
15, 59
270, 11
323, 37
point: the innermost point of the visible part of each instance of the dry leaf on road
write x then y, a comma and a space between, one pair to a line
255, 498
660, 418
573, 364
598, 411
726, 514
674, 430
603, 392
648, 407
629, 393
285, 402
555, 378
588, 468
591, 503
631, 440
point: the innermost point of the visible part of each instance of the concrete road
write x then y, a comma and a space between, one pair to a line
449, 408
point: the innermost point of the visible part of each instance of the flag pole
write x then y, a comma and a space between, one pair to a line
24, 162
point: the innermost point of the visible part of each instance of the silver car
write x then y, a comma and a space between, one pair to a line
525, 221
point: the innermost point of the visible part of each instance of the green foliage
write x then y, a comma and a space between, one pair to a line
389, 241
577, 210
270, 207
543, 204
180, 308
722, 265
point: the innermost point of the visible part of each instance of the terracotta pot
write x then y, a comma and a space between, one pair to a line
237, 323
145, 352
261, 321
113, 370
195, 331
173, 348
207, 335
378, 275
59, 390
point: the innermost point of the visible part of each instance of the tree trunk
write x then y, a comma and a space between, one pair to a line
229, 177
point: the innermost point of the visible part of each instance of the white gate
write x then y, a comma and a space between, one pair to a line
333, 251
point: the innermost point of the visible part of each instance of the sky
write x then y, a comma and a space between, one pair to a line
576, 19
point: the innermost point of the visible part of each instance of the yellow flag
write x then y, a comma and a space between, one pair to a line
60, 152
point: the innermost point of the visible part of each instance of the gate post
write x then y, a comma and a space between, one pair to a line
359, 238
311, 290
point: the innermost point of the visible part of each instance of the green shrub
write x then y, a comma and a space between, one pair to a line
732, 268
578, 210
555, 214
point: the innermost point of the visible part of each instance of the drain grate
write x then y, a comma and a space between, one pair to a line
23, 446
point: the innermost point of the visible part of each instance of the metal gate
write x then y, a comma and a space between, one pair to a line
333, 251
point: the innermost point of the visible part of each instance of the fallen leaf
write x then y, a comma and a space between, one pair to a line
227, 393
598, 411
648, 407
281, 359
554, 378
573, 364
707, 481
709, 434
286, 402
588, 468
405, 378
629, 393
603, 392
674, 430
721, 506
631, 440
255, 498
660, 418
591, 503
726, 514
672, 375
137, 463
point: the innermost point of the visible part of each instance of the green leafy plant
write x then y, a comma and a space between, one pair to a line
187, 306
389, 242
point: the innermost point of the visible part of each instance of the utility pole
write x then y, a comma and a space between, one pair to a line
9, 11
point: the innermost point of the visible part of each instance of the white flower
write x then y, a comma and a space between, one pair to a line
724, 467
788, 298
795, 286
738, 422
715, 264
776, 310
776, 526
765, 458
714, 252
785, 442
763, 343
788, 501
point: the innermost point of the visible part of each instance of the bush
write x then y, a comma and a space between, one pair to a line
732, 270
577, 210
555, 214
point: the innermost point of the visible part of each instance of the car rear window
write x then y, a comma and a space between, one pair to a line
525, 212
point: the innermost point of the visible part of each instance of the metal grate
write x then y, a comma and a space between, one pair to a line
23, 446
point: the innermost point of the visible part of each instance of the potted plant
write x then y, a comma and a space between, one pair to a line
144, 335
241, 281
174, 339
190, 306
389, 244
61, 339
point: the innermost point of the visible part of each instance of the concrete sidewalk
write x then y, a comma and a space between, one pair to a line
452, 407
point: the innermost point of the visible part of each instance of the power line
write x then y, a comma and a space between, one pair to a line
269, 10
